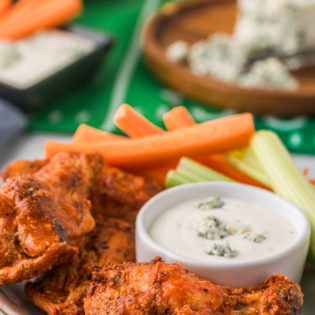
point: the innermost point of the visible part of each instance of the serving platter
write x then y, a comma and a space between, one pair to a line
195, 20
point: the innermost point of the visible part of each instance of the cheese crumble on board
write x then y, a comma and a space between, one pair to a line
282, 26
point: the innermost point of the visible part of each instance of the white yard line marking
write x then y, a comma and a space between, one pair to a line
126, 70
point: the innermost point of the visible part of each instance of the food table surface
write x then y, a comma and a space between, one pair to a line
30, 146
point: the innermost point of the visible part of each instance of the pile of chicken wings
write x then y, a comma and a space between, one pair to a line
68, 226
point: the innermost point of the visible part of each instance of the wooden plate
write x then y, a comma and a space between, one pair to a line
196, 20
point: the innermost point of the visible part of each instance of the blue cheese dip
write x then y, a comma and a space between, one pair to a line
221, 229
26, 62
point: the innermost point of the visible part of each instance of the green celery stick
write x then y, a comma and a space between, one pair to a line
199, 172
173, 178
285, 178
248, 169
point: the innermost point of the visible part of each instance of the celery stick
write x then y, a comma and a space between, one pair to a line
192, 177
199, 172
285, 178
248, 169
250, 158
173, 178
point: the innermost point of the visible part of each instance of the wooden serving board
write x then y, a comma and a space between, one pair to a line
195, 20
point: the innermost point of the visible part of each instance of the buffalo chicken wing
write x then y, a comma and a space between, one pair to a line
160, 288
43, 216
61, 290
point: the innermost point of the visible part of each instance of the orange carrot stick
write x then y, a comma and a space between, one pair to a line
4, 5
29, 16
133, 124
178, 117
216, 136
17, 12
157, 173
85, 133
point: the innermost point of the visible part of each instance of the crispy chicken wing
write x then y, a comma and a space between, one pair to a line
120, 194
43, 216
61, 291
116, 194
19, 168
160, 288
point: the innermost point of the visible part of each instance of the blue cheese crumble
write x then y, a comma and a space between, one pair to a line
282, 26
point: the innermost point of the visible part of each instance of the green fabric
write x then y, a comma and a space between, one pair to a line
96, 102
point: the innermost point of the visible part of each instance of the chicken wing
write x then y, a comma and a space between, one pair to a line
43, 216
120, 194
61, 291
160, 288
19, 168
116, 194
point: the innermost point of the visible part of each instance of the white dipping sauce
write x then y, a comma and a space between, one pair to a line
237, 231
26, 62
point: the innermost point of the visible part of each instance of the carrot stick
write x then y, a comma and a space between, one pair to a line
214, 136
17, 12
157, 173
178, 117
85, 133
133, 124
4, 5
32, 15
181, 117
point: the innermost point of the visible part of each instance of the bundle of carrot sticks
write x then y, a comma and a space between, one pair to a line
152, 152
24, 17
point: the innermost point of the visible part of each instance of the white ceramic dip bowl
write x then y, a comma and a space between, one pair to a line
288, 261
